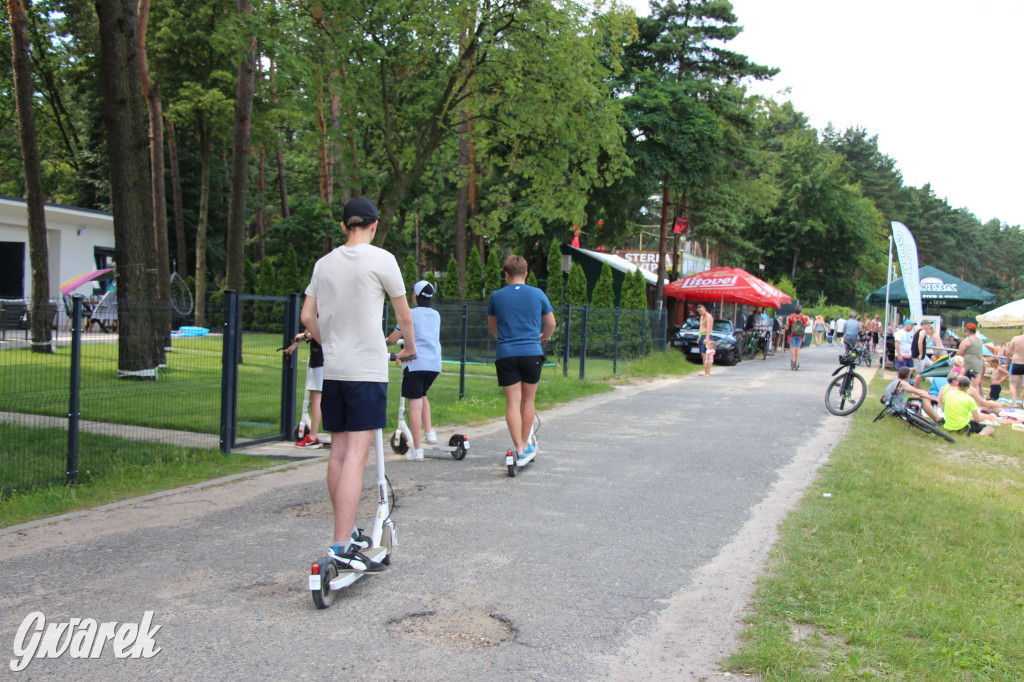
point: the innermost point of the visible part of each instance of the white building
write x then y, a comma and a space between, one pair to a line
78, 240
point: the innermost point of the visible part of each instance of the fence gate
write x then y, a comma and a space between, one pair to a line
253, 409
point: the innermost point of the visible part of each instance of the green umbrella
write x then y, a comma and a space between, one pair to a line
938, 290
939, 368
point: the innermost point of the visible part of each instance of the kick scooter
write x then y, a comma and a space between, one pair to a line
325, 579
458, 444
514, 462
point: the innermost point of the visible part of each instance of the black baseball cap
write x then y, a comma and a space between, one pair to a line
359, 212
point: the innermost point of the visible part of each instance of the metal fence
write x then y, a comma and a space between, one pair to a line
67, 416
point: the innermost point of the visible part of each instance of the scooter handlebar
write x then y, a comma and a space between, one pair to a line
407, 358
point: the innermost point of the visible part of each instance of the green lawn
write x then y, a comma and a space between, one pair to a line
910, 570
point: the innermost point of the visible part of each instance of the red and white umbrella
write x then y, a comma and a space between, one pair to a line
728, 285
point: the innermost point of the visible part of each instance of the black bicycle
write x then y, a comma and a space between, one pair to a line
756, 342
847, 391
910, 412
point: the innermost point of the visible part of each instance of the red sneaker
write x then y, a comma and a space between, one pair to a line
308, 442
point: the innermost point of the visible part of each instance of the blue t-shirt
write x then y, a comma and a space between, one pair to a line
518, 309
426, 323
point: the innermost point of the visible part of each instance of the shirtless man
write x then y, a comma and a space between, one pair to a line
1015, 354
707, 324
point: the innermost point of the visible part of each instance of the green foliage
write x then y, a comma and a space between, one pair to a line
576, 287
784, 285
604, 293
409, 273
493, 279
450, 288
531, 279
634, 291
474, 277
555, 283
291, 279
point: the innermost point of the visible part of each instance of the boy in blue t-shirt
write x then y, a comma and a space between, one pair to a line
521, 318
421, 372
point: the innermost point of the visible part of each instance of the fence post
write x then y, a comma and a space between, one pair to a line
462, 368
290, 368
71, 472
643, 333
615, 343
229, 372
583, 342
568, 326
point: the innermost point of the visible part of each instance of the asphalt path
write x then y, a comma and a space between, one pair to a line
629, 547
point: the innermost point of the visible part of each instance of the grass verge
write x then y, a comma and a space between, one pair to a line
114, 469
911, 569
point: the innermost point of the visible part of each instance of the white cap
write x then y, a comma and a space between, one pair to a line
418, 289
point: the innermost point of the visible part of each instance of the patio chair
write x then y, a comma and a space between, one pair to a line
13, 316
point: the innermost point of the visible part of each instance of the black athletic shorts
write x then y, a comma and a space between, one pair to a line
513, 370
971, 428
1017, 369
416, 384
354, 405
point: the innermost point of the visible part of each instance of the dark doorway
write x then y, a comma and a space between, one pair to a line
12, 269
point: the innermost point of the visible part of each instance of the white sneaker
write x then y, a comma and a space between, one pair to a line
430, 437
414, 454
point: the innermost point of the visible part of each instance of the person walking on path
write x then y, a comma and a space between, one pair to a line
709, 357
521, 318
1015, 355
421, 372
796, 326
314, 387
342, 313
972, 351
819, 330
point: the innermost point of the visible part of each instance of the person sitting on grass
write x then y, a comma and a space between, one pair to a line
900, 390
962, 413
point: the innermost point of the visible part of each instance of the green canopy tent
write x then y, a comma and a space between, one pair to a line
938, 290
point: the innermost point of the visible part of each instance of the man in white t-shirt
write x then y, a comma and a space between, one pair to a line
904, 351
342, 312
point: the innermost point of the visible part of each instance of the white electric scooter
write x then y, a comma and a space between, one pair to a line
325, 579
513, 462
401, 441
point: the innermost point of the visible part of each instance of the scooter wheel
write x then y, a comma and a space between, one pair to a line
459, 443
324, 597
511, 470
399, 444
299, 432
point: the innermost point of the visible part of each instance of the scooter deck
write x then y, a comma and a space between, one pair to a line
346, 577
522, 461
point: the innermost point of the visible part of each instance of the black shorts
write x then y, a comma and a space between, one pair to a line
972, 427
354, 405
513, 370
1017, 369
416, 384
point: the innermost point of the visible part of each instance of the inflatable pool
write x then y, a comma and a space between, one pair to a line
191, 331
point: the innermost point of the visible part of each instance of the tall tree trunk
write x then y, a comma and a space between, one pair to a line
462, 207
204, 212
38, 253
130, 200
666, 200
326, 177
282, 184
181, 247
235, 251
260, 224
151, 91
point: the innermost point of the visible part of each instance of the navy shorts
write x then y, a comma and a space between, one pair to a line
354, 405
416, 384
526, 369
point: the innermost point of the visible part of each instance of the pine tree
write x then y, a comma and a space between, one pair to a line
409, 272
604, 291
531, 279
555, 283
576, 287
492, 278
289, 277
451, 281
474, 277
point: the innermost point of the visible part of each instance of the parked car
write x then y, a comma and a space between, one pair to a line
727, 345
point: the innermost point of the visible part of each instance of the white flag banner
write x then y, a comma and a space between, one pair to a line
906, 248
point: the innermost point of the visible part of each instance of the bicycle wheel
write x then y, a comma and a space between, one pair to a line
929, 427
865, 358
845, 394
